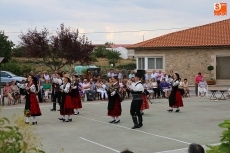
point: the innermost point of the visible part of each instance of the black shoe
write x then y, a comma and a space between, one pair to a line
140, 125
76, 113
112, 121
27, 122
70, 119
142, 113
177, 110
170, 110
52, 109
61, 119
34, 123
118, 121
66, 120
136, 126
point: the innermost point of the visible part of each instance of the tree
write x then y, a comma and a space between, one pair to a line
5, 46
113, 56
18, 51
56, 51
100, 52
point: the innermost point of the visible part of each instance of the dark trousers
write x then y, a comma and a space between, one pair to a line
135, 109
57, 95
196, 89
156, 92
40, 95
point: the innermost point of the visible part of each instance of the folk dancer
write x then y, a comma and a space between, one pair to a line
136, 89
145, 103
57, 82
114, 101
175, 98
76, 98
31, 105
66, 107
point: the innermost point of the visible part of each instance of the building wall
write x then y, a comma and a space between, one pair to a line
122, 50
187, 62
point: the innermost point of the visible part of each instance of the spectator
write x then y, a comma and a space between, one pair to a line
186, 88
88, 75
86, 86
41, 82
154, 75
120, 75
47, 89
101, 89
7, 92
46, 76
38, 75
92, 88
146, 75
164, 86
195, 148
15, 91
131, 75
95, 75
154, 85
148, 89
110, 74
171, 74
198, 78
202, 87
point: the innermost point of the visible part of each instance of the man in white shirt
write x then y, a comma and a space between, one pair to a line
131, 75
154, 75
136, 89
110, 74
146, 75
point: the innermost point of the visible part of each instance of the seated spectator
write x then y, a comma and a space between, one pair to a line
154, 85
46, 76
95, 75
186, 88
100, 86
7, 92
181, 88
47, 90
148, 89
110, 73
93, 88
202, 87
164, 86
15, 91
131, 75
195, 148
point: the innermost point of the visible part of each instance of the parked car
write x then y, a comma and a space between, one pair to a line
7, 76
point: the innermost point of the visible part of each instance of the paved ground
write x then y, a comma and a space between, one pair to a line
162, 132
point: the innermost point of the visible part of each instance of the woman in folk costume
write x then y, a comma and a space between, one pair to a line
31, 106
114, 104
66, 107
145, 103
175, 98
76, 98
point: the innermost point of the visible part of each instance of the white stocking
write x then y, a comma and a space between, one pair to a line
34, 118
27, 119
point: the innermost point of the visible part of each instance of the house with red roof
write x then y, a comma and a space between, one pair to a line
188, 52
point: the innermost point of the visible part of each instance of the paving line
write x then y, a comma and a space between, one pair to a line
136, 130
99, 144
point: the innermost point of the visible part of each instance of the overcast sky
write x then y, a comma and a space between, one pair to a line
111, 16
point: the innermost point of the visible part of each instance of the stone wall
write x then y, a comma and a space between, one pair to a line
188, 62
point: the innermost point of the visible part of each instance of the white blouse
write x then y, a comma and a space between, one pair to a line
23, 86
65, 87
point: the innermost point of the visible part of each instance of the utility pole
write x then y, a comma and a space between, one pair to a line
143, 37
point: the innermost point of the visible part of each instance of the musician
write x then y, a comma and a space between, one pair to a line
57, 82
76, 98
114, 97
31, 105
136, 89
66, 107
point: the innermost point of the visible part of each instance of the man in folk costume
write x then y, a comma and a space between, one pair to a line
136, 89
31, 105
57, 82
66, 107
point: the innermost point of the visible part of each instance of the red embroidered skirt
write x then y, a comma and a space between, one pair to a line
145, 103
33, 105
116, 111
178, 100
77, 102
67, 108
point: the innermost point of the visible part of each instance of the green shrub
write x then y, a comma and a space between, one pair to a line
224, 147
18, 138
129, 66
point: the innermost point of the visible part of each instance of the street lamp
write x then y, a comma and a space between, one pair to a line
1, 59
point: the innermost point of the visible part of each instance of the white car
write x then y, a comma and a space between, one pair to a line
7, 76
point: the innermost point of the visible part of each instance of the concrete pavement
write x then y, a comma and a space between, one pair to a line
162, 132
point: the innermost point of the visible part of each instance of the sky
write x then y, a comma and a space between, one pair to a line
117, 21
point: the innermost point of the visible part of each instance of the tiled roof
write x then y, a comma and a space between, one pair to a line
213, 34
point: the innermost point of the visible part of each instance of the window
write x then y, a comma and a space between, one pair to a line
150, 63
141, 63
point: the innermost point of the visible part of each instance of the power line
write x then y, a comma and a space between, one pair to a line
102, 32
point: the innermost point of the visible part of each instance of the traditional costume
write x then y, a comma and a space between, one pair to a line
56, 92
175, 98
31, 105
145, 103
114, 104
136, 89
76, 98
66, 107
